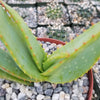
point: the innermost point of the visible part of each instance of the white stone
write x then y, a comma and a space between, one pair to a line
14, 96
28, 93
8, 96
6, 85
81, 98
9, 90
80, 82
36, 84
67, 97
22, 88
55, 97
75, 91
61, 95
40, 97
21, 95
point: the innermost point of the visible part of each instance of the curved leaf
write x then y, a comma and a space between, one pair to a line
72, 46
4, 75
9, 34
78, 63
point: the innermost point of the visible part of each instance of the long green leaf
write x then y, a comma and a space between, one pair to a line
8, 65
9, 34
34, 47
77, 64
72, 46
4, 75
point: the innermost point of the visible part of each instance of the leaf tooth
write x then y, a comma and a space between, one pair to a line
11, 52
26, 37
93, 36
66, 42
16, 21
15, 59
33, 54
92, 23
6, 44
84, 43
22, 30
84, 30
0, 36
31, 48
76, 49
77, 35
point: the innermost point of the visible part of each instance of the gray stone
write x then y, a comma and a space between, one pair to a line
2, 92
2, 98
33, 97
34, 91
85, 82
46, 86
98, 62
48, 92
58, 89
81, 89
66, 89
21, 96
39, 90
16, 91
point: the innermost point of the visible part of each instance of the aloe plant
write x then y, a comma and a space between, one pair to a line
25, 60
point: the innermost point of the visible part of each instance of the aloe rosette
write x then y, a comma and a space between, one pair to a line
25, 60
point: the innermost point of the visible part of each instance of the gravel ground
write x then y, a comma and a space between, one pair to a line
96, 70
21, 1
44, 20
28, 14
84, 18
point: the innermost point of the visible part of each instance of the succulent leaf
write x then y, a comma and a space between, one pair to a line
8, 65
73, 46
4, 75
25, 33
17, 48
77, 64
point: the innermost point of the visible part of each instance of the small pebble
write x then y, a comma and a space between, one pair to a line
55, 97
4, 86
48, 92
40, 97
61, 95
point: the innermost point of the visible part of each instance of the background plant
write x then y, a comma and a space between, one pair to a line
25, 61
76, 0
55, 12
85, 12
